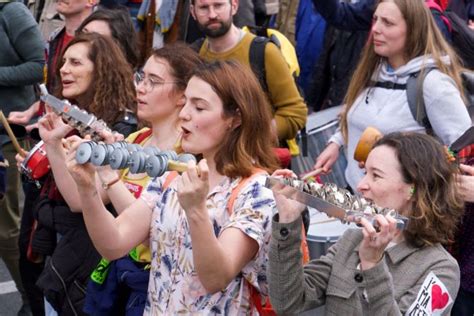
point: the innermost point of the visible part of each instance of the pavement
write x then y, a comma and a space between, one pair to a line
10, 301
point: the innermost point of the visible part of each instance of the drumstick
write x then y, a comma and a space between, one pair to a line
15, 143
312, 174
332, 219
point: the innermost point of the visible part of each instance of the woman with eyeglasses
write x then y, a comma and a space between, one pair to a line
160, 97
208, 231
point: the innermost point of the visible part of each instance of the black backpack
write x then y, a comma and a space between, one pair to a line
263, 37
462, 39
462, 35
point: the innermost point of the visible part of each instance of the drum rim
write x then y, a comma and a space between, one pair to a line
323, 127
319, 239
32, 152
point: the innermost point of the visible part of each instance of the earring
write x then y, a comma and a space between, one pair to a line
412, 190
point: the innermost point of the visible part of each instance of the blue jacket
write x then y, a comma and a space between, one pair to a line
358, 16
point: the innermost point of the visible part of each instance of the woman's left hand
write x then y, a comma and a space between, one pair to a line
372, 247
193, 187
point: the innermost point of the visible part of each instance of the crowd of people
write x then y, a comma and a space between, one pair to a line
213, 239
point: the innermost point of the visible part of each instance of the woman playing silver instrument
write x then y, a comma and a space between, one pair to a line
96, 76
160, 97
207, 256
378, 271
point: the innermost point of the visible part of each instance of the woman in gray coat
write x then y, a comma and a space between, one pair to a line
383, 271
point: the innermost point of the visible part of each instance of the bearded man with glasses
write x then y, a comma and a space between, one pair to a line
225, 41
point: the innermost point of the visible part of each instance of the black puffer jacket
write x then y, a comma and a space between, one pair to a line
65, 275
62, 236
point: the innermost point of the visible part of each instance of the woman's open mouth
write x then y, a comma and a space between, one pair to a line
67, 83
186, 132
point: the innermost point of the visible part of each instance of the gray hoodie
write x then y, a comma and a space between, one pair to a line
388, 110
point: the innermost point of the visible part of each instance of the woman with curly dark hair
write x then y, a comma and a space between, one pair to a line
379, 271
96, 77
115, 23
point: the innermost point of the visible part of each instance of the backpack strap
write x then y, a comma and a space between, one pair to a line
416, 102
257, 59
142, 136
197, 44
414, 91
236, 190
169, 178
390, 85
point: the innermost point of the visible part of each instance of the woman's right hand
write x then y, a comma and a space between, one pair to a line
83, 175
52, 129
327, 158
288, 210
20, 158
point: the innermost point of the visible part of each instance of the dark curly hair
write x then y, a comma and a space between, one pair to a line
121, 27
112, 91
436, 204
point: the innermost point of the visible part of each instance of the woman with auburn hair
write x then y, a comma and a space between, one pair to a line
207, 255
381, 271
404, 42
116, 24
160, 96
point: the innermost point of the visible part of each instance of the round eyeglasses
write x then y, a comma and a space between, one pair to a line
149, 83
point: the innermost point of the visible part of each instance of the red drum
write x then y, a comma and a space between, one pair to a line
36, 164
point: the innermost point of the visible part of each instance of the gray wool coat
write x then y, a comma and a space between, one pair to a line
389, 288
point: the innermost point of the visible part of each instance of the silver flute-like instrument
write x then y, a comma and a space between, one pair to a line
86, 123
332, 200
